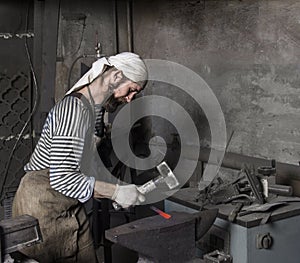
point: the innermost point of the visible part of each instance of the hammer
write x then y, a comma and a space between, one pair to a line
166, 176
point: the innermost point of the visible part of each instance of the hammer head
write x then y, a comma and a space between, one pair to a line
169, 177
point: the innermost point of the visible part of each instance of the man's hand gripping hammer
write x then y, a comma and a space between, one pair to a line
166, 176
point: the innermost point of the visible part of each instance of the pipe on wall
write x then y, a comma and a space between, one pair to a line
123, 25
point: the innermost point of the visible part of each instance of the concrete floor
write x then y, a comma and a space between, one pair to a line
119, 255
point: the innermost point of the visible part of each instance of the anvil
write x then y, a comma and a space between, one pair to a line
157, 239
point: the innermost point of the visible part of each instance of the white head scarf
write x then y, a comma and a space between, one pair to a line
132, 66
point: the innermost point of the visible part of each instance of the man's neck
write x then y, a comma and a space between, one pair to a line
98, 90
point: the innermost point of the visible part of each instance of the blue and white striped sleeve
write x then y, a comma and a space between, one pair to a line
72, 121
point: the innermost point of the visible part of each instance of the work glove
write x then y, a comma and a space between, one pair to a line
127, 195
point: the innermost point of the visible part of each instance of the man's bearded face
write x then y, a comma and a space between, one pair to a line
124, 91
112, 103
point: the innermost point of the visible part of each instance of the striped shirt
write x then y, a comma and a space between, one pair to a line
60, 148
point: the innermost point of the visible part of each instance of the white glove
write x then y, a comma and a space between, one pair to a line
127, 195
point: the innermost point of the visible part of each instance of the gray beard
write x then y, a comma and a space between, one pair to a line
112, 104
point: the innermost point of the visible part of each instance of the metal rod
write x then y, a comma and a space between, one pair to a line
236, 160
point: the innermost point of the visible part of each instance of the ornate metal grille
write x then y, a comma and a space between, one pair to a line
15, 105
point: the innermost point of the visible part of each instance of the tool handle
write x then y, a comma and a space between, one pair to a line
116, 206
255, 185
143, 189
280, 189
234, 213
147, 187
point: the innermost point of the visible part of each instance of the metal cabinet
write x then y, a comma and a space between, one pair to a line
275, 242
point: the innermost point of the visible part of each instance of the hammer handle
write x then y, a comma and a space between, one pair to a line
149, 186
143, 189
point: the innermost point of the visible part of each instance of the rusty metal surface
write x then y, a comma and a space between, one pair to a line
19, 232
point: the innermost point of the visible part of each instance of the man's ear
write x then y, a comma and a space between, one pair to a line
116, 76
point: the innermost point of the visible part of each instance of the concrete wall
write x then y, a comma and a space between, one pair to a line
78, 37
247, 52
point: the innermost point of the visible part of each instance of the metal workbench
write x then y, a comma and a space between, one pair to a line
283, 227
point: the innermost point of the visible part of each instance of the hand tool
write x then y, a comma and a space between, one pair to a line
208, 188
217, 257
256, 208
279, 189
246, 199
267, 170
234, 213
255, 184
166, 176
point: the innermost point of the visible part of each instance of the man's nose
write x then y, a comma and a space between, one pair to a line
130, 96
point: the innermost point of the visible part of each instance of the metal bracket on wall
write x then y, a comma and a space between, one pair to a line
18, 35
25, 34
6, 35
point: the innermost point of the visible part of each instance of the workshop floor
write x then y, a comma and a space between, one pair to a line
119, 255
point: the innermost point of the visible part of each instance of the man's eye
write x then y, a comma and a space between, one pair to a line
134, 89
119, 76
